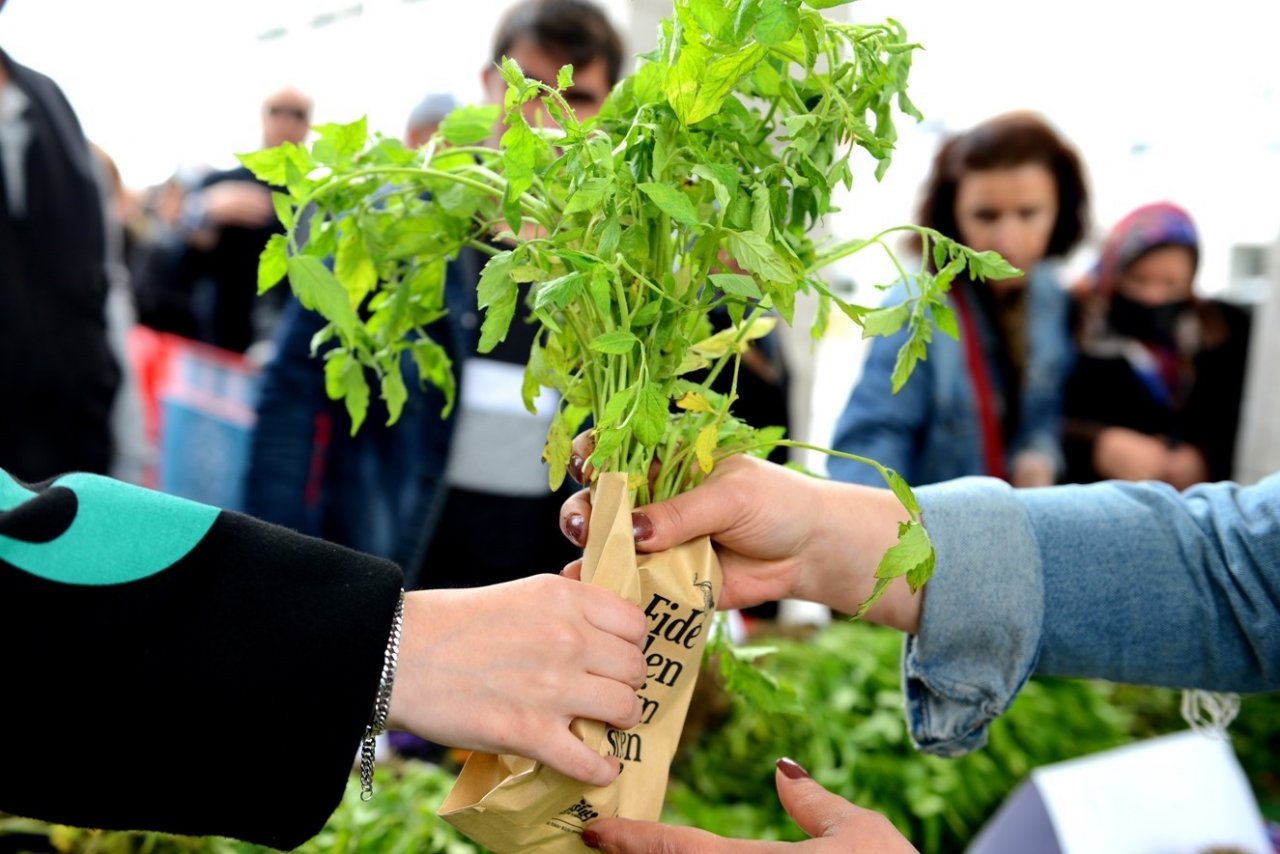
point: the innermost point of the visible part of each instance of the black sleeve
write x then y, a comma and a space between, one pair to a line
163, 660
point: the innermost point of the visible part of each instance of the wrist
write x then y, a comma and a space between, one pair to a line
862, 525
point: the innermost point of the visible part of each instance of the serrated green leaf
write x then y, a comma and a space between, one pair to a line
939, 254
757, 255
589, 196
911, 352
273, 263
617, 342
435, 367
319, 290
670, 201
761, 214
825, 4
557, 449
520, 149
267, 165
531, 381
683, 80
497, 294
719, 80
560, 291
990, 265
704, 446
723, 178
646, 315
712, 15
903, 492
885, 321
598, 287
617, 407
776, 23
395, 395
650, 420
353, 266
564, 77
469, 125
737, 285
495, 279
608, 440
345, 380
523, 273
338, 143
913, 553
748, 11
945, 318
283, 205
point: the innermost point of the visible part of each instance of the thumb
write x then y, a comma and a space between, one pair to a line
818, 812
823, 815
677, 520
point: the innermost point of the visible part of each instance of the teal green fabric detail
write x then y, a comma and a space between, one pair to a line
120, 533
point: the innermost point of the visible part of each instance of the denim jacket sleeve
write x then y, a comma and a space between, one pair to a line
1132, 582
879, 424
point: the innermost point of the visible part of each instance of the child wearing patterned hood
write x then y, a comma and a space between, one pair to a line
1155, 393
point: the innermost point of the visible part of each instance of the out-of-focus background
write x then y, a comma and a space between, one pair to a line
1165, 100
1174, 101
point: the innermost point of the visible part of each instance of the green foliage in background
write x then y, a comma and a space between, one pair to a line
847, 730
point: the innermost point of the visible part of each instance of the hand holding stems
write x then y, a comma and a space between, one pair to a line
470, 676
837, 827
779, 535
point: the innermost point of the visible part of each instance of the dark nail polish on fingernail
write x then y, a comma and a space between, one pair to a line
573, 529
641, 527
575, 468
590, 839
791, 768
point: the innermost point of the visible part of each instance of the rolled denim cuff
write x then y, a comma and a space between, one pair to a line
981, 618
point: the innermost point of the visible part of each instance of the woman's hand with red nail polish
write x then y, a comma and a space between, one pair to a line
780, 535
837, 827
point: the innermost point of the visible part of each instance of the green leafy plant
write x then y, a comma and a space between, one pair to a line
692, 192
840, 716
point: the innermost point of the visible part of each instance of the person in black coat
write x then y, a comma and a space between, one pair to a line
1155, 394
58, 378
227, 222
154, 650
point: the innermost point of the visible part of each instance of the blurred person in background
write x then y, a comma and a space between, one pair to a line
1155, 393
456, 502
58, 375
156, 248
425, 118
132, 456
991, 402
226, 222
460, 501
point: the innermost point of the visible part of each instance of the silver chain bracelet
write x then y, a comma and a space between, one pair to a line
382, 705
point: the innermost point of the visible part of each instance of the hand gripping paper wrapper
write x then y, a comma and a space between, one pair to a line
510, 803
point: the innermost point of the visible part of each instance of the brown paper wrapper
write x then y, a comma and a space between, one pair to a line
509, 803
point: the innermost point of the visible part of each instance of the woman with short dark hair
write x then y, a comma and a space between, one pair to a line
990, 402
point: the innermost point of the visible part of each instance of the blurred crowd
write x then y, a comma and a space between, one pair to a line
109, 295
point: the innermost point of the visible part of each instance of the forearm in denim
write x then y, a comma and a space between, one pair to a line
981, 619
1145, 585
